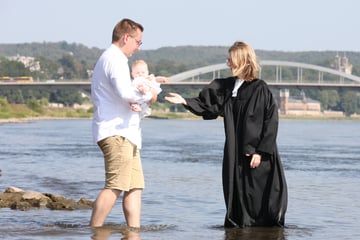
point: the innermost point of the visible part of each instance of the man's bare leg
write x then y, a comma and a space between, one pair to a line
132, 207
102, 206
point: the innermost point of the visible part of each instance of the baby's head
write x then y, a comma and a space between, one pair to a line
139, 69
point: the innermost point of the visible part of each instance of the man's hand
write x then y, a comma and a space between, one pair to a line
135, 107
154, 96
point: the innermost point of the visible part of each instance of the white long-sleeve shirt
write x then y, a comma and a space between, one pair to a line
112, 92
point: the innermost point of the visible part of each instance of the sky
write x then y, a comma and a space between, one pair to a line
283, 25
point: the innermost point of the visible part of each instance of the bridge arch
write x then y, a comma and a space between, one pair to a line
222, 66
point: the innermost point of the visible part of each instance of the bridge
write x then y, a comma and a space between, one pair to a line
326, 78
215, 69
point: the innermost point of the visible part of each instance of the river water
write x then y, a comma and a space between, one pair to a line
183, 194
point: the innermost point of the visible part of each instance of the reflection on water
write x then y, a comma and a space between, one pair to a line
104, 233
256, 233
183, 197
126, 233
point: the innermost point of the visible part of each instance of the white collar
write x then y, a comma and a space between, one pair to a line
237, 85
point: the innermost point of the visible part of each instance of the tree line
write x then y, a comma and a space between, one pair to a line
73, 62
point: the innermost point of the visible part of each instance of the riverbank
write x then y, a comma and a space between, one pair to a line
20, 113
168, 116
31, 119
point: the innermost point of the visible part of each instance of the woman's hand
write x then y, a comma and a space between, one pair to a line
175, 98
161, 79
255, 160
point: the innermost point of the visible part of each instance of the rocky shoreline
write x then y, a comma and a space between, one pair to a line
19, 199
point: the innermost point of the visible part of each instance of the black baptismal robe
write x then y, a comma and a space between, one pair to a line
253, 196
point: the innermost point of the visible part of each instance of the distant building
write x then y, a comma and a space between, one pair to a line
29, 62
298, 105
342, 64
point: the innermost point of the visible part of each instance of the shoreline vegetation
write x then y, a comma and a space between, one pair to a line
18, 113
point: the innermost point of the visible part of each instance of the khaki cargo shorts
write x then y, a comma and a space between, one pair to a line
123, 170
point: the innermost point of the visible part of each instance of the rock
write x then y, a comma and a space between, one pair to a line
21, 206
30, 199
16, 198
33, 195
84, 203
13, 189
60, 202
9, 199
67, 204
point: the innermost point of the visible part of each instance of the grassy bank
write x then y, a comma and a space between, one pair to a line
22, 112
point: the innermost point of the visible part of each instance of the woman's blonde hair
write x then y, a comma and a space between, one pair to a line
242, 61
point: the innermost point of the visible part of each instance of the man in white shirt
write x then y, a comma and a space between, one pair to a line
116, 129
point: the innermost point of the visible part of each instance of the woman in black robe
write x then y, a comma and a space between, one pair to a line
254, 184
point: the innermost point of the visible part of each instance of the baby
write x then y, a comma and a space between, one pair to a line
144, 81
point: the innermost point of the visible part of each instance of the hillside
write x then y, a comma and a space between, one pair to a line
51, 51
185, 57
73, 62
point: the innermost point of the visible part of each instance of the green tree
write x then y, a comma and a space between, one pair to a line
34, 105
324, 99
4, 105
349, 102
356, 70
13, 68
165, 67
49, 69
66, 97
334, 99
67, 62
73, 68
329, 99
18, 96
15, 96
